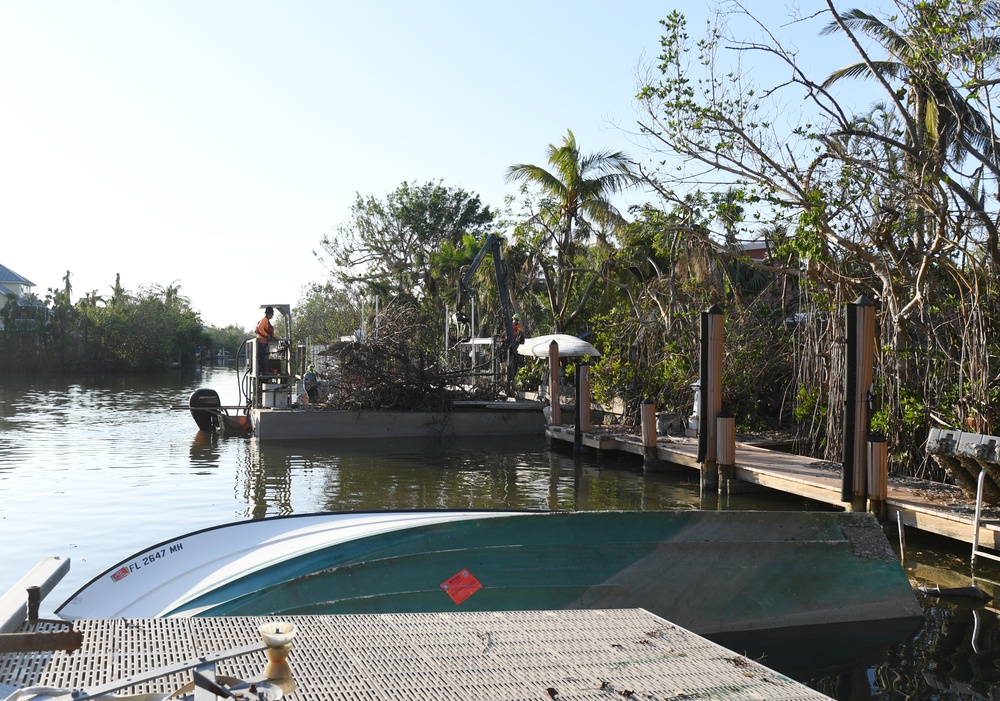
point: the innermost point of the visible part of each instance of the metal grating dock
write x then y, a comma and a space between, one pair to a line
581, 654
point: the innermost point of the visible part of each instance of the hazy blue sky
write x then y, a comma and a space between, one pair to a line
212, 143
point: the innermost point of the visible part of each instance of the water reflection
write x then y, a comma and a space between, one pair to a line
825, 652
953, 655
482, 473
205, 448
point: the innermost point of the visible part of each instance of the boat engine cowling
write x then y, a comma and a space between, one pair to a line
205, 407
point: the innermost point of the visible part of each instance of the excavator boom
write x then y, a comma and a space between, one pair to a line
492, 247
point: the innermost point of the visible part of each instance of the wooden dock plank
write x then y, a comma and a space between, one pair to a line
917, 505
811, 489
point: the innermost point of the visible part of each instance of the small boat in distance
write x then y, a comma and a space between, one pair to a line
708, 571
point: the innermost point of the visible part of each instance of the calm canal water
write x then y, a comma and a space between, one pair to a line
95, 469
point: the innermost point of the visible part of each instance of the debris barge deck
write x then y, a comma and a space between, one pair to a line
581, 654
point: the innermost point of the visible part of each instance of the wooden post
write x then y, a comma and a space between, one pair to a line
555, 419
725, 450
648, 419
578, 411
647, 416
860, 367
878, 474
583, 396
712, 325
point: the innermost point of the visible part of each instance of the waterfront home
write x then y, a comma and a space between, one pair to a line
13, 289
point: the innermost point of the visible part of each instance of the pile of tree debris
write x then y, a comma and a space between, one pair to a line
390, 371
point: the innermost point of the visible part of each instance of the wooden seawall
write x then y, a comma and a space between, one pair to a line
927, 506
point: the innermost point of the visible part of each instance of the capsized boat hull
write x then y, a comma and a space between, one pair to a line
152, 582
707, 571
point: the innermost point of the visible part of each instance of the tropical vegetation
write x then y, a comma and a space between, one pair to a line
151, 329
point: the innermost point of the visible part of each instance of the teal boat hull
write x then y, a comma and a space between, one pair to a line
708, 571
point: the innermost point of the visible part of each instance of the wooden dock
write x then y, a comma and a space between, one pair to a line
927, 506
581, 654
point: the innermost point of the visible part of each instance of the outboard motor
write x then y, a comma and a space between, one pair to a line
205, 408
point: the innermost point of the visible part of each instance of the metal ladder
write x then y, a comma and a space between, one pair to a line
976, 551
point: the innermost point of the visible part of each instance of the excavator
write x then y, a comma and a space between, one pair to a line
508, 345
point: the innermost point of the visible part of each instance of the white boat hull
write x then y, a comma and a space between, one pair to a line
154, 581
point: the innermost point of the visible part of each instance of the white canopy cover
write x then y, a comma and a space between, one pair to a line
569, 346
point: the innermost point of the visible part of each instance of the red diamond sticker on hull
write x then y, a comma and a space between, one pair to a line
461, 586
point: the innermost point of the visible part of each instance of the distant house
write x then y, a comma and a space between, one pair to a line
756, 250
13, 285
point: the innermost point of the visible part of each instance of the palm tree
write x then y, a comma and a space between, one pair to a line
575, 203
941, 119
91, 299
171, 295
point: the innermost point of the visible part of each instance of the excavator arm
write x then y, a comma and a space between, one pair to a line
492, 247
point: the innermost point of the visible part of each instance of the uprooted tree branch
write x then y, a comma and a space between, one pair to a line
391, 370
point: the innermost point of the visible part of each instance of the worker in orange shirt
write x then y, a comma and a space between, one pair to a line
265, 333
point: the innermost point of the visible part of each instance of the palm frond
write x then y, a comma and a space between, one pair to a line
890, 70
536, 175
858, 20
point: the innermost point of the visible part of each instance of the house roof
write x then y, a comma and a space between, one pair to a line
9, 276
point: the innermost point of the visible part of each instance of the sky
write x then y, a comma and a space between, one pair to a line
211, 144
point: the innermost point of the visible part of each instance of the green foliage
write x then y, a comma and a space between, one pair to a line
898, 421
404, 249
808, 404
229, 338
329, 311
572, 206
757, 369
908, 416
147, 331
529, 375
395, 246
639, 363
890, 201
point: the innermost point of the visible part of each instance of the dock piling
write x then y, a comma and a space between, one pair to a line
725, 450
860, 334
712, 327
647, 421
555, 418
878, 474
583, 395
